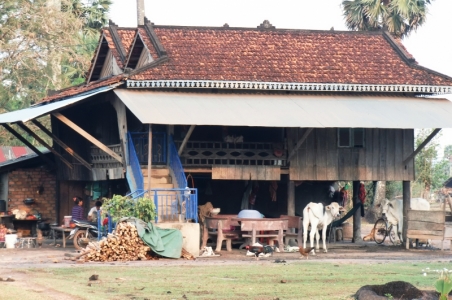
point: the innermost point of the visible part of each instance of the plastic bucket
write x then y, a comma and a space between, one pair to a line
67, 221
10, 240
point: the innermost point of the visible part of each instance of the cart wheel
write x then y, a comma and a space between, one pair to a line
380, 229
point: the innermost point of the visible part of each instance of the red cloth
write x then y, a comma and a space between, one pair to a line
105, 222
362, 193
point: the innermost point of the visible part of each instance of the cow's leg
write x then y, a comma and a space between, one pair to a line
305, 231
314, 224
317, 236
399, 232
324, 238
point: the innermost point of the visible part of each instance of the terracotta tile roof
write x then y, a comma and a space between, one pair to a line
113, 49
239, 54
147, 41
82, 88
127, 35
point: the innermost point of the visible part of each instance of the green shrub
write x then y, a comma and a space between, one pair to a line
122, 206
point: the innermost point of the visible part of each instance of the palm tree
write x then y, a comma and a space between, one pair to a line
399, 17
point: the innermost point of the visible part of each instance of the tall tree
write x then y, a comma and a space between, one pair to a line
399, 17
45, 45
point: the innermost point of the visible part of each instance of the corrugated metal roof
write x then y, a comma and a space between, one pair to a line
12, 154
279, 110
41, 109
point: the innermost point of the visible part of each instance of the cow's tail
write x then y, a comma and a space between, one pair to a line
313, 212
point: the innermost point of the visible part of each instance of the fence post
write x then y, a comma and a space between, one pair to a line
156, 203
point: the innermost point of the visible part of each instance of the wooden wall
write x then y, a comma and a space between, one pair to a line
98, 117
319, 157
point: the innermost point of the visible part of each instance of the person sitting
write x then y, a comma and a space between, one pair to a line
95, 212
77, 210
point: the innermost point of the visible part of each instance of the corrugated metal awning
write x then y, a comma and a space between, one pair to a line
287, 110
41, 109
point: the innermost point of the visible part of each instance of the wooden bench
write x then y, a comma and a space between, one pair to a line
294, 229
219, 228
273, 229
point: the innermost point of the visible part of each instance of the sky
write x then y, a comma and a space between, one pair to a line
430, 45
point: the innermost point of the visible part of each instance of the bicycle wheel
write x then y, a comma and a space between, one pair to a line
380, 229
392, 234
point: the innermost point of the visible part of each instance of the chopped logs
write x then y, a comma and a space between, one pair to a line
123, 245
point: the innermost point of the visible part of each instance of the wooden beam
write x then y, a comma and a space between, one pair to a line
42, 142
299, 143
422, 145
291, 198
184, 142
122, 126
357, 215
29, 145
406, 207
149, 157
63, 145
87, 136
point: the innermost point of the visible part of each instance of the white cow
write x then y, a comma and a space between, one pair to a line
318, 216
393, 210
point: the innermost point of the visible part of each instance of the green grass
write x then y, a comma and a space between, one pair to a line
303, 280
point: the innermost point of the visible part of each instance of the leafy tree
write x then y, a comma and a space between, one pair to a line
399, 17
425, 164
44, 45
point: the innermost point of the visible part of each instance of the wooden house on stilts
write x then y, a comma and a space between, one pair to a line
213, 108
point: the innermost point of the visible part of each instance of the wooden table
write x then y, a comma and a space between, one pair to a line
27, 225
273, 229
63, 230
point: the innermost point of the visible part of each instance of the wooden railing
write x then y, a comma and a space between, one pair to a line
199, 153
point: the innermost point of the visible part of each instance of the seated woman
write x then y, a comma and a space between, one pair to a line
77, 210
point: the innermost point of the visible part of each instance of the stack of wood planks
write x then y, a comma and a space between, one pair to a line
124, 245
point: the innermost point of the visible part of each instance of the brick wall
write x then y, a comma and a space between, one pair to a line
24, 183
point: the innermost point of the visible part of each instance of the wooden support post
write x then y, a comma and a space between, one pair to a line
87, 136
357, 215
406, 206
122, 127
42, 142
291, 198
29, 145
422, 145
63, 145
184, 142
299, 143
150, 157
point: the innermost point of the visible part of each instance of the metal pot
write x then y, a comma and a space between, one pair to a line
29, 201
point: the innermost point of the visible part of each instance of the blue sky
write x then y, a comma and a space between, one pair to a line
430, 45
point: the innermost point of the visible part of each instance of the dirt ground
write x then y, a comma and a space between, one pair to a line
50, 256
14, 262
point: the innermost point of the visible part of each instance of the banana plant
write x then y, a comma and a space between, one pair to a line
443, 286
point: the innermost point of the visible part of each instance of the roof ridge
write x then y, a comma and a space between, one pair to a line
148, 27
407, 57
113, 28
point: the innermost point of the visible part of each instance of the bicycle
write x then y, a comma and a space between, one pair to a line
382, 229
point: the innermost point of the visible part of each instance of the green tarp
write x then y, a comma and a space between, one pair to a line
164, 242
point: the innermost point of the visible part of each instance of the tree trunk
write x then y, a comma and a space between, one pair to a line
379, 195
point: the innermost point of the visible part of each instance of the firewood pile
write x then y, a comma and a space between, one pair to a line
123, 245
